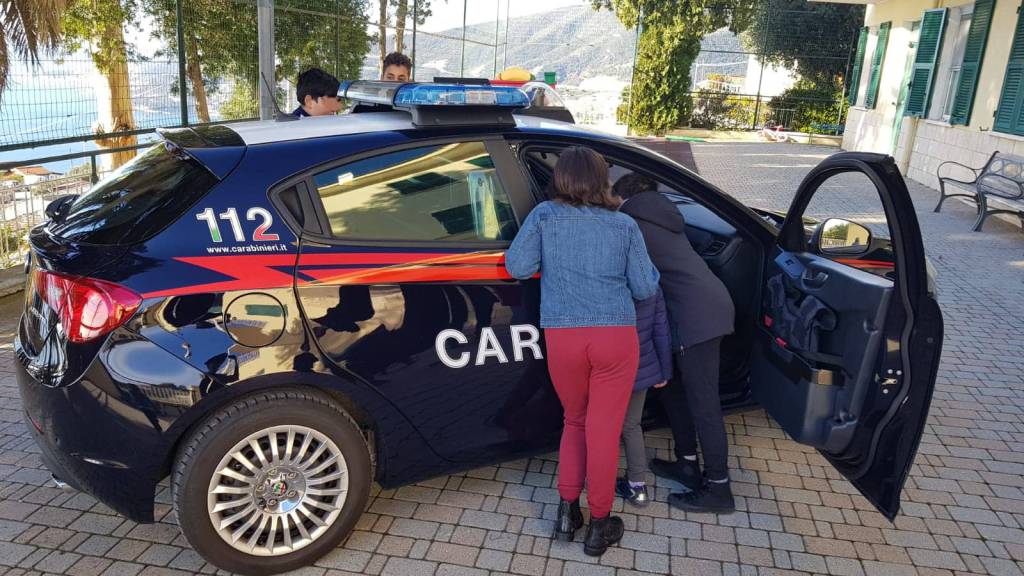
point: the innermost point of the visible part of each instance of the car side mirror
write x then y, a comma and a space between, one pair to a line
840, 237
58, 209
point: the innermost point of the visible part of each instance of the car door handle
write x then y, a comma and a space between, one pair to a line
817, 280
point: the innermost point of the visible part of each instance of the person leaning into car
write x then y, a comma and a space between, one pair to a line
702, 313
593, 264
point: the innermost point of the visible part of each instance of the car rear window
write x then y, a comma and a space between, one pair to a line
138, 199
448, 192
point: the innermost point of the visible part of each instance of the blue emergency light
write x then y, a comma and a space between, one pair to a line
441, 104
458, 95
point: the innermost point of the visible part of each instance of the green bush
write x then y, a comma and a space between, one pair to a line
12, 240
722, 111
812, 106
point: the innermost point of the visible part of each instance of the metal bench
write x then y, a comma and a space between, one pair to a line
999, 181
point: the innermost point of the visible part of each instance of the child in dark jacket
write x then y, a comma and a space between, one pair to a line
655, 370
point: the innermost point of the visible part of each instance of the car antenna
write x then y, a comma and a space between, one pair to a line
279, 116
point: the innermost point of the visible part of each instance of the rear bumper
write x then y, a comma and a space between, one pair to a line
123, 489
60, 431
100, 435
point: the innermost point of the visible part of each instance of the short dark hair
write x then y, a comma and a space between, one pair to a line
581, 179
632, 184
316, 83
397, 59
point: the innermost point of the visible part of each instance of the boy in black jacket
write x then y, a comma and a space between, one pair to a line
702, 313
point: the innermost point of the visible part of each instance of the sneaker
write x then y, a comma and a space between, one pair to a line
711, 497
637, 496
686, 472
601, 534
569, 520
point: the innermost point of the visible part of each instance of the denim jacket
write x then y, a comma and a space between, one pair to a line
593, 264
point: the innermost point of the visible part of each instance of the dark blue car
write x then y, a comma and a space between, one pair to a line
277, 314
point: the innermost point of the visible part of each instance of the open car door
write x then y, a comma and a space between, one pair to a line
846, 357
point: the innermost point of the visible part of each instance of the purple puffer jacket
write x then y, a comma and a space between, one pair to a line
652, 328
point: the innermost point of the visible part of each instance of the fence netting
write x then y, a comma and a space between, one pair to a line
188, 62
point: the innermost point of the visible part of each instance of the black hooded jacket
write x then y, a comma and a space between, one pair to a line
698, 303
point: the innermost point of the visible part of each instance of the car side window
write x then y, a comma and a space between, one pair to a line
446, 192
541, 164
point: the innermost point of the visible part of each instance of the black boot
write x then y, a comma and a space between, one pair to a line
570, 519
686, 472
711, 497
601, 534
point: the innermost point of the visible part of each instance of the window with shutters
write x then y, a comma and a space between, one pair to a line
926, 58
1010, 113
874, 80
974, 54
951, 62
858, 67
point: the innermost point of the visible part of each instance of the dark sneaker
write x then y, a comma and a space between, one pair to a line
711, 497
569, 520
635, 496
601, 534
686, 472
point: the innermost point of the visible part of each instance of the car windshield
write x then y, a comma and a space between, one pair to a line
138, 199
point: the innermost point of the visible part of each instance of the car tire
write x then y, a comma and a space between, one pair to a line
304, 494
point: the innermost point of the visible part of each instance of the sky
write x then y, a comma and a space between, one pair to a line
447, 15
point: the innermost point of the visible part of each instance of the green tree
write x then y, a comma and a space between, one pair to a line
97, 26
212, 50
27, 28
814, 38
337, 43
668, 45
328, 34
401, 10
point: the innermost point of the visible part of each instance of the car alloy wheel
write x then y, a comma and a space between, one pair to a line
278, 490
272, 481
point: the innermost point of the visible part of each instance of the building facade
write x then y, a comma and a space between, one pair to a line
937, 80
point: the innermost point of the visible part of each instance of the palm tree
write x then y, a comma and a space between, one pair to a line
27, 27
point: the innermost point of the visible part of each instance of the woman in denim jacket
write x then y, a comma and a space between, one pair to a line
593, 264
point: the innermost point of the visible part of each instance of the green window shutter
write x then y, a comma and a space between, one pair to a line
876, 65
922, 77
1010, 110
858, 65
974, 52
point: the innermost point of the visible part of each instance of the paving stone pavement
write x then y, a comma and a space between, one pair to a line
963, 507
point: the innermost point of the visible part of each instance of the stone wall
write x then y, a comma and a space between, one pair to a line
937, 142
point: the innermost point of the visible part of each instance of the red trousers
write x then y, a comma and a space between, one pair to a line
593, 370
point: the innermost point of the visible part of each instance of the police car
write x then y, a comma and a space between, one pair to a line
275, 315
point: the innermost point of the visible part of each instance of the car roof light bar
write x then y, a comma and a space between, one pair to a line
434, 104
371, 92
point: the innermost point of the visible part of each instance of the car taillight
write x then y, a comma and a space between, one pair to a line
87, 308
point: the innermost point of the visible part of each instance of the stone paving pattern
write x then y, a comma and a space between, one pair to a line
963, 506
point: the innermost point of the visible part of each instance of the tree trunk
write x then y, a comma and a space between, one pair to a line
194, 71
382, 32
400, 14
111, 59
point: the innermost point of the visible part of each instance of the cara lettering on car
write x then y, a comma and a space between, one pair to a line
524, 336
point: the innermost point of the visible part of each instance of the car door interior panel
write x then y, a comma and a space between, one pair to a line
847, 353
821, 332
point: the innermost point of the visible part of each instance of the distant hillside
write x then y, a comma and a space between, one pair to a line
577, 43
